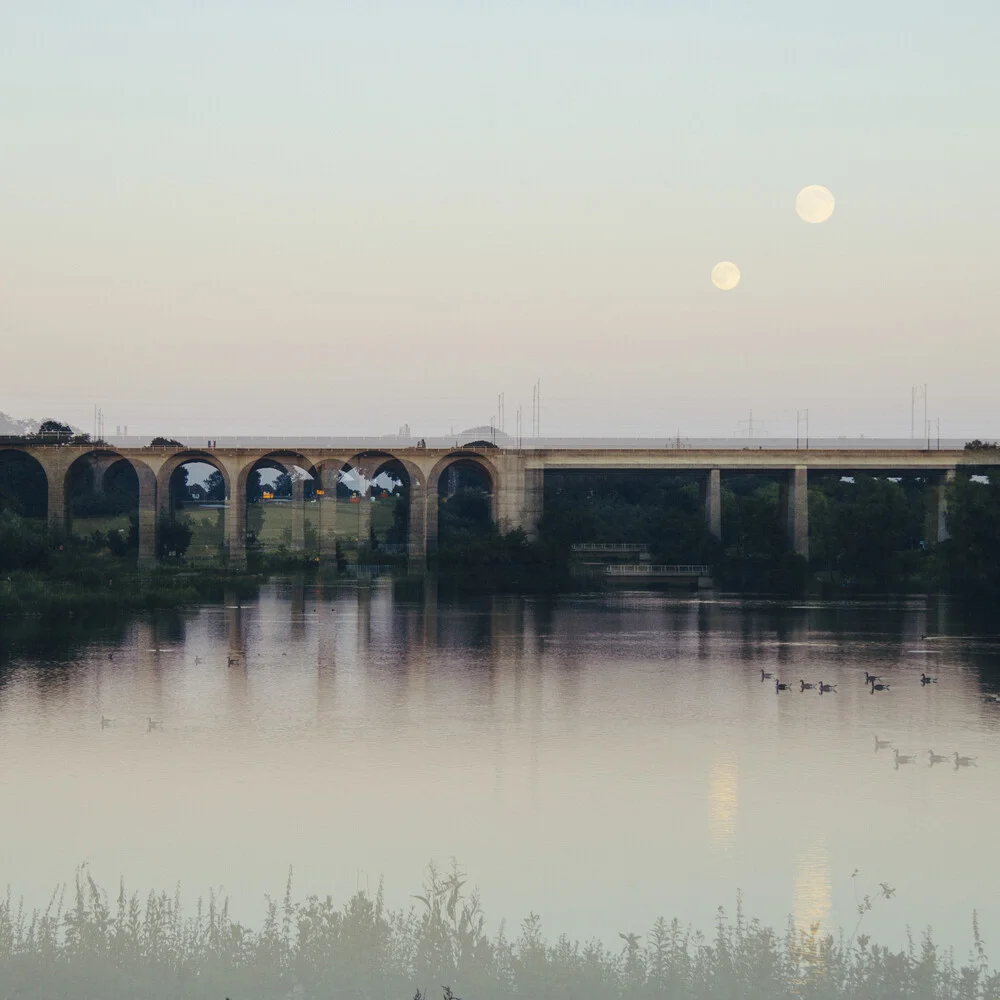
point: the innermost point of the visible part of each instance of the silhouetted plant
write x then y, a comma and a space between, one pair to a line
311, 949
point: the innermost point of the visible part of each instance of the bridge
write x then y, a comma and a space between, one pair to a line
515, 481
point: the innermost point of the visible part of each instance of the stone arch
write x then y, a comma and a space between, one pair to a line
103, 459
203, 541
459, 456
24, 483
406, 507
303, 492
175, 461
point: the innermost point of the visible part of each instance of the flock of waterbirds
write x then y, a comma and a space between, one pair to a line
875, 682
152, 723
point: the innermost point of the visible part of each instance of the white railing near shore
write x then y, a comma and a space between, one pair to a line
646, 569
608, 547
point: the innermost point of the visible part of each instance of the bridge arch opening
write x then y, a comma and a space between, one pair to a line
464, 489
373, 505
102, 500
194, 488
24, 485
281, 492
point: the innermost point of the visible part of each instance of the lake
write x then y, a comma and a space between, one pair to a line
600, 760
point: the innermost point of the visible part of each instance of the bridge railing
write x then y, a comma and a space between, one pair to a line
608, 547
646, 569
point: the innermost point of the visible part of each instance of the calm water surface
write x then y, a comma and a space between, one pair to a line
599, 760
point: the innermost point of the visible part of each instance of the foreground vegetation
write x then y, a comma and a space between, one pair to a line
125, 946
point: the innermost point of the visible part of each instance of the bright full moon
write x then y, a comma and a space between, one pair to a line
814, 203
725, 275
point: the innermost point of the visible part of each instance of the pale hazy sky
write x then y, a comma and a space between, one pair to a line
336, 218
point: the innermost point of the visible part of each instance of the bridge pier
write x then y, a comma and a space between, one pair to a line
936, 518
712, 499
147, 520
298, 514
58, 516
236, 524
795, 509
326, 510
534, 502
416, 546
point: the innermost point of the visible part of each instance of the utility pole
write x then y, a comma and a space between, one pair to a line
925, 419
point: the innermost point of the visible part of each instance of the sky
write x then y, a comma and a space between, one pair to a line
325, 218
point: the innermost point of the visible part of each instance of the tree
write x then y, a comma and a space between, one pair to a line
53, 429
282, 485
174, 537
971, 556
215, 488
179, 494
163, 442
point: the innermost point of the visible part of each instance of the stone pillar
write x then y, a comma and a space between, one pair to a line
416, 538
534, 502
364, 519
298, 514
936, 522
432, 506
797, 510
236, 522
147, 521
58, 516
326, 512
713, 502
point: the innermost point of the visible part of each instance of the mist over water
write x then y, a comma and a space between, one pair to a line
600, 760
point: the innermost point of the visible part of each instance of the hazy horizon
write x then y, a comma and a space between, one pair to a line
326, 220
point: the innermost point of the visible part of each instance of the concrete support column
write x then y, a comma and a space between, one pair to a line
797, 510
236, 524
936, 523
326, 512
298, 515
147, 521
713, 502
416, 539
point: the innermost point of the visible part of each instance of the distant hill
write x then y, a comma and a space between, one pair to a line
12, 426
8, 425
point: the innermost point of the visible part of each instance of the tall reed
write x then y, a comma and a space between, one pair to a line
98, 946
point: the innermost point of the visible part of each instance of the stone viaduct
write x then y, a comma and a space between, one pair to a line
516, 479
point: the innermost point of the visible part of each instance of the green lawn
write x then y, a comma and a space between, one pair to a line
275, 519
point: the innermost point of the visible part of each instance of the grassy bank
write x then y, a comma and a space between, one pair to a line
87, 944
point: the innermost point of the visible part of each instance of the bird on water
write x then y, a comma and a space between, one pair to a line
963, 761
805, 686
924, 679
765, 676
826, 687
780, 686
